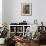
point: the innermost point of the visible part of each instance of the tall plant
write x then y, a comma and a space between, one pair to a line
4, 32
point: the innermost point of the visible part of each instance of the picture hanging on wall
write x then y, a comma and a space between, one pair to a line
26, 9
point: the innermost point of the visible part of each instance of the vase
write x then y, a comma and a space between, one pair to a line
2, 40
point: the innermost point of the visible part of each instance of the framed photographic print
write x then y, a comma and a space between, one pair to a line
26, 9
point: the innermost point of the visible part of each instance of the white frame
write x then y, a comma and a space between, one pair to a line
19, 31
29, 9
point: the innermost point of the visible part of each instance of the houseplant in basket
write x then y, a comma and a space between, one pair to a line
3, 33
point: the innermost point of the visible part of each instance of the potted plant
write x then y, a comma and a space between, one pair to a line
3, 34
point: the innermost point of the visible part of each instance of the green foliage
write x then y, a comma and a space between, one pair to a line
4, 32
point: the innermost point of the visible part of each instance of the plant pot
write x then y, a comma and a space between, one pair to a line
2, 40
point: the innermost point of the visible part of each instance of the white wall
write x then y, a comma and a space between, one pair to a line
4, 11
0, 13
12, 11
40, 10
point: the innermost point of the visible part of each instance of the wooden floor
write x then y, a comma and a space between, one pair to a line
32, 45
36, 44
42, 45
1, 45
